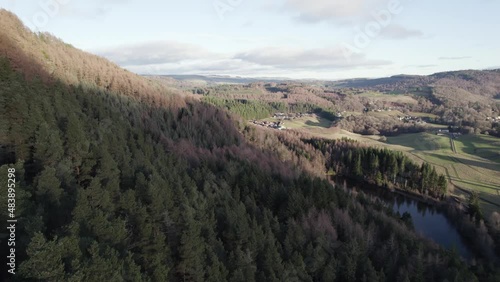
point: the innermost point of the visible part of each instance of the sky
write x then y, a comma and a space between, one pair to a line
319, 39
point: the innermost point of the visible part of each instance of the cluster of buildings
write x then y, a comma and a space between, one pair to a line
453, 135
385, 109
412, 119
493, 118
271, 124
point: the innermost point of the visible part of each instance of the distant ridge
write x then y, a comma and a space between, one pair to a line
218, 79
484, 83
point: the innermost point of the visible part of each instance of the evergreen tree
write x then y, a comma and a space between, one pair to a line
191, 248
357, 167
48, 187
474, 208
45, 262
48, 145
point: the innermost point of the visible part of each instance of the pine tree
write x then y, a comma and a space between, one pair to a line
442, 184
76, 141
374, 164
48, 187
474, 207
48, 145
191, 249
44, 262
358, 168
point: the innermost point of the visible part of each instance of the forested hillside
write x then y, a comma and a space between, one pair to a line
119, 180
44, 56
484, 83
465, 99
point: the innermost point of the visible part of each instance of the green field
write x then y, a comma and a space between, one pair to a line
465, 168
386, 114
313, 122
474, 166
422, 115
320, 127
487, 147
393, 98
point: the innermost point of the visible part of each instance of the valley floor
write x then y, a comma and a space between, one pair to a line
471, 162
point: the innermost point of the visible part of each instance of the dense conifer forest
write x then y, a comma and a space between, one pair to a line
381, 167
118, 183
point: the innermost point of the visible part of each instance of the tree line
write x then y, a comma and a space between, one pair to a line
255, 109
382, 167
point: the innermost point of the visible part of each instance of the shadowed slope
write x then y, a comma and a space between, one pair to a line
44, 56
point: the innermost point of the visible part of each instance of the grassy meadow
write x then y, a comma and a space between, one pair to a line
474, 166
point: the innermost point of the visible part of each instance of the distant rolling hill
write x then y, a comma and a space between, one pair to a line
214, 79
477, 82
484, 83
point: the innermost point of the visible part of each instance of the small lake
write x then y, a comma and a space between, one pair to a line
427, 220
431, 223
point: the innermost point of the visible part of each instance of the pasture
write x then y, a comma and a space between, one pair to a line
475, 166
390, 98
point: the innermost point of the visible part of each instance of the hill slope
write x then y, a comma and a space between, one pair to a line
44, 56
485, 82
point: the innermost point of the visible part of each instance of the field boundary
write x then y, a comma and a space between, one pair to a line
468, 192
452, 143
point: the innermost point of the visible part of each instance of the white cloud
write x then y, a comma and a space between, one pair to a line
158, 52
341, 11
426, 66
399, 32
166, 57
321, 58
454, 58
221, 67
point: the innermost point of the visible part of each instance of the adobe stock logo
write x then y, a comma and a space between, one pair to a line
381, 20
223, 6
48, 9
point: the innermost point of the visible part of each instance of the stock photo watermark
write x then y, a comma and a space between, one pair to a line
12, 221
222, 7
47, 9
364, 36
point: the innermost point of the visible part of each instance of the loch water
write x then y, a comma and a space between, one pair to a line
428, 220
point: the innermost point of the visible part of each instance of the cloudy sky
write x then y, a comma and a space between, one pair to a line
324, 39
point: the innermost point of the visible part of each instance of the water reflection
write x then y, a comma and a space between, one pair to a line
431, 223
427, 220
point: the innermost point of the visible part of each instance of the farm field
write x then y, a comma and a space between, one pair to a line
394, 98
313, 122
422, 115
386, 114
320, 127
465, 169
484, 146
474, 166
